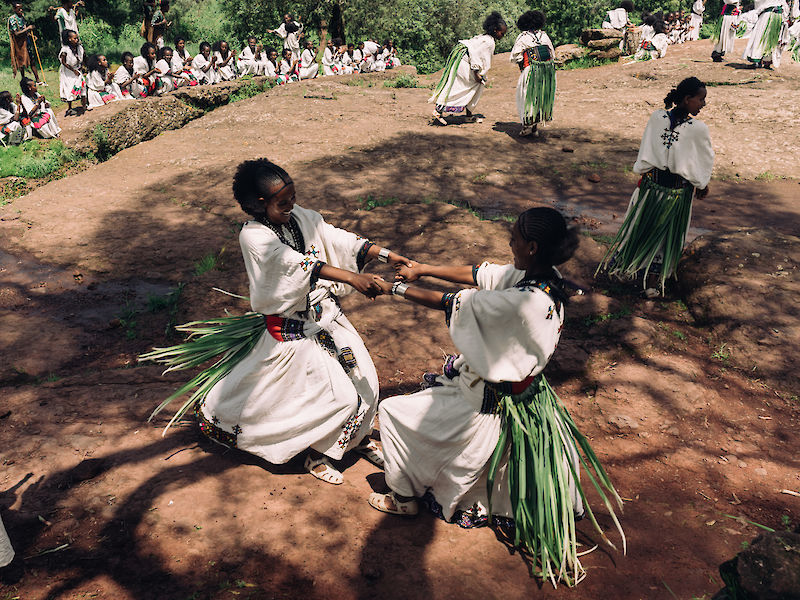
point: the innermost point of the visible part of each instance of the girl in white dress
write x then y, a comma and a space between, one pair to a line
225, 65
536, 87
290, 31
288, 69
725, 30
329, 65
655, 46
6, 549
390, 55
464, 76
309, 382
618, 18
65, 16
167, 80
357, 55
342, 59
696, 20
13, 131
308, 66
452, 442
675, 160
42, 118
182, 61
252, 59
765, 46
272, 66
127, 81
144, 65
204, 66
72, 82
100, 82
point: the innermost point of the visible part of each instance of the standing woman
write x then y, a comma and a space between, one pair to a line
764, 45
492, 421
72, 82
19, 34
464, 76
42, 117
675, 161
725, 30
536, 87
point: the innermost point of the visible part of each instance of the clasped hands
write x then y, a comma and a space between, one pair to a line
372, 285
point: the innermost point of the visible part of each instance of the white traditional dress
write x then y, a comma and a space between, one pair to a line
675, 159
308, 65
12, 131
227, 72
287, 74
696, 20
43, 119
464, 76
653, 48
208, 76
309, 381
439, 440
167, 81
764, 41
725, 29
6, 550
249, 63
270, 68
100, 93
66, 19
344, 62
181, 70
329, 66
71, 86
150, 83
616, 19
131, 91
536, 86
291, 40
358, 60
370, 54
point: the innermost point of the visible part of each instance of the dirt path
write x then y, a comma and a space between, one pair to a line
686, 438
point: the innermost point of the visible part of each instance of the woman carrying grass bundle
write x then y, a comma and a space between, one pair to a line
307, 382
536, 87
490, 431
764, 47
675, 161
464, 75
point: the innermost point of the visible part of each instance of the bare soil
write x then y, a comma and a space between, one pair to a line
102, 506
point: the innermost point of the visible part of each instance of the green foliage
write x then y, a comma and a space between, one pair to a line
251, 89
206, 264
35, 159
371, 202
602, 318
402, 81
585, 62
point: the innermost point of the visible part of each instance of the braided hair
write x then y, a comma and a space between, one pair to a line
256, 179
493, 23
547, 227
687, 88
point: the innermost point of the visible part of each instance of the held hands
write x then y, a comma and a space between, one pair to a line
411, 271
368, 284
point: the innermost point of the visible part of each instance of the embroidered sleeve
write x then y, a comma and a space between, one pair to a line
475, 273
447, 306
361, 257
315, 273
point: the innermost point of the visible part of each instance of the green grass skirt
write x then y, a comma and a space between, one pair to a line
543, 445
655, 225
540, 92
716, 33
448, 78
772, 34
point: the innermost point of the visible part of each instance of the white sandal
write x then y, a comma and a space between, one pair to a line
389, 503
329, 474
372, 453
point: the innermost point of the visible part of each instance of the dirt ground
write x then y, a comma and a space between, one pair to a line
102, 506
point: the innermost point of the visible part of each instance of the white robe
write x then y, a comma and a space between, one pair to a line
696, 20
47, 130
308, 65
358, 59
291, 40
525, 40
345, 63
71, 86
133, 90
249, 64
100, 94
438, 440
329, 66
727, 36
168, 81
204, 77
178, 62
467, 88
66, 19
616, 19
6, 550
269, 69
286, 396
755, 49
228, 72
11, 130
659, 42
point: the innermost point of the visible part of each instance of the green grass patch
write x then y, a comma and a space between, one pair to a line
585, 62
371, 202
722, 353
36, 159
767, 176
11, 83
402, 81
603, 317
169, 303
359, 82
250, 89
208, 263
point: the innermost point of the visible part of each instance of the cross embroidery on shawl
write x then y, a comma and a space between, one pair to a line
669, 137
313, 251
306, 263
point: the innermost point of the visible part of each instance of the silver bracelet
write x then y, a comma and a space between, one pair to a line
383, 255
399, 289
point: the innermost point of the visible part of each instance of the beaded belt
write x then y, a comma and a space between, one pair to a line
665, 178
539, 53
494, 392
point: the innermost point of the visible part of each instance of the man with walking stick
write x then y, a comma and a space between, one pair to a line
20, 34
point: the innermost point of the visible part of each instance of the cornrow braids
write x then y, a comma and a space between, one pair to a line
256, 179
547, 227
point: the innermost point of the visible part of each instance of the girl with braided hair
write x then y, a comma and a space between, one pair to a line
464, 75
536, 88
309, 381
460, 443
675, 161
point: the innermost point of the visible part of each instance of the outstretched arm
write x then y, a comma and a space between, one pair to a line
418, 295
363, 282
453, 273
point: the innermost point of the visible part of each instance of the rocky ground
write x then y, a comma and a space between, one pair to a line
698, 442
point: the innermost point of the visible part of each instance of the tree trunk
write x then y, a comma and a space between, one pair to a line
337, 22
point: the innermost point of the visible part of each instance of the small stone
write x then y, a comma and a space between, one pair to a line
623, 423
594, 178
742, 464
761, 471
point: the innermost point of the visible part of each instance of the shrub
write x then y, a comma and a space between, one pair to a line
402, 81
